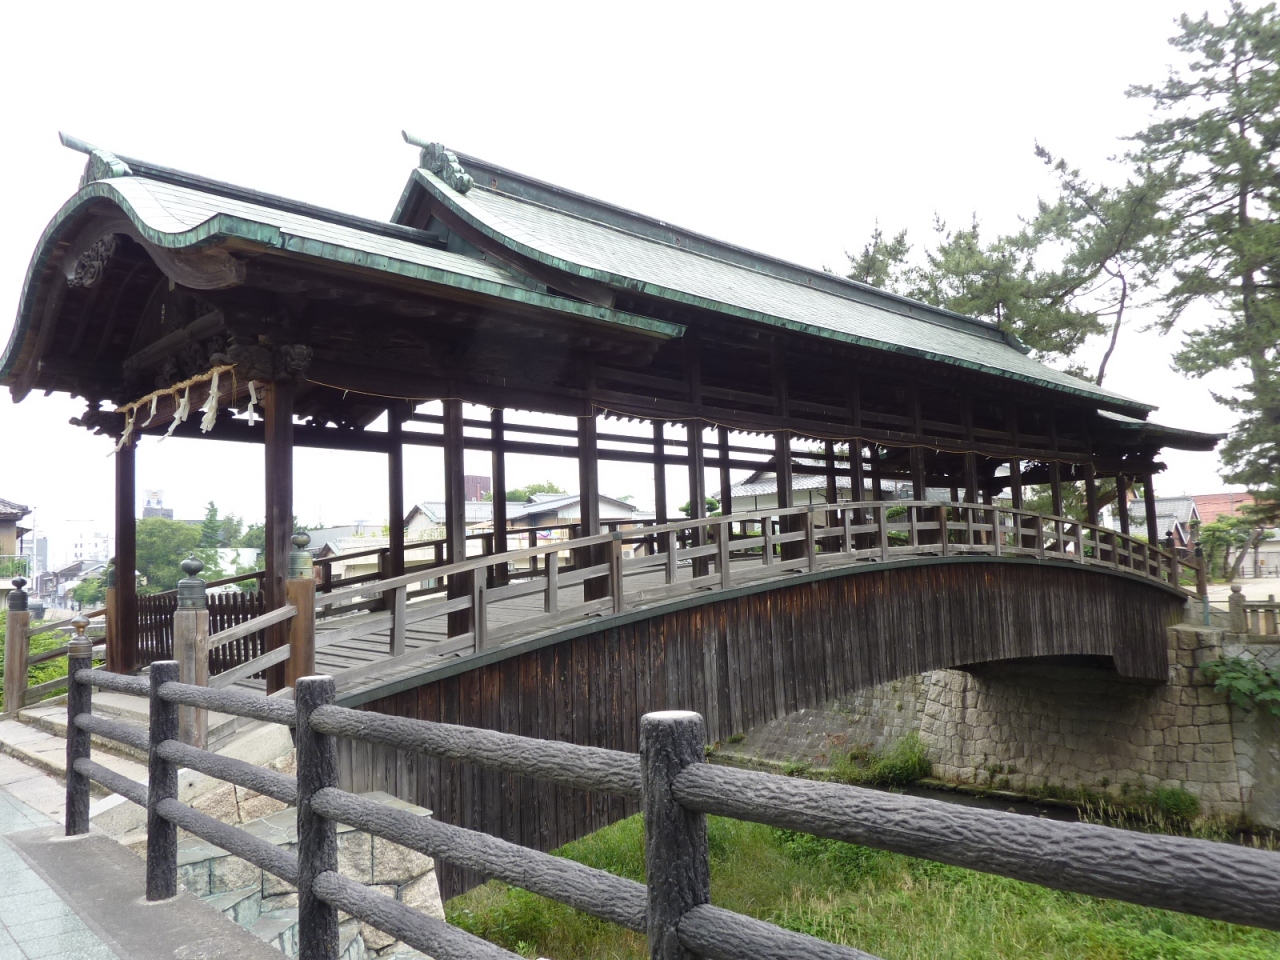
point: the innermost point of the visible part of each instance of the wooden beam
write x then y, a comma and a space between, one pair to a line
126, 607
277, 413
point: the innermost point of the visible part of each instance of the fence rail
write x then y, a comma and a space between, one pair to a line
677, 788
1257, 617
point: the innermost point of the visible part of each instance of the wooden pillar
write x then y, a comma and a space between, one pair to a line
1055, 487
1015, 483
877, 491
1091, 494
1149, 498
277, 413
833, 490
395, 492
857, 483
697, 492
782, 467
126, 597
659, 471
918, 484
498, 433
1122, 502
191, 649
726, 482
589, 491
970, 478
455, 512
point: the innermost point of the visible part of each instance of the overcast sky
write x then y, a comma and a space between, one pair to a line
787, 128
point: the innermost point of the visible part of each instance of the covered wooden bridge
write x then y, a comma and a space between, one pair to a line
174, 304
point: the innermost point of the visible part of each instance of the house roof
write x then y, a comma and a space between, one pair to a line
548, 502
1181, 509
12, 511
607, 244
1214, 505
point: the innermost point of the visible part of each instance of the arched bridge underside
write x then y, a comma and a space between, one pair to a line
742, 658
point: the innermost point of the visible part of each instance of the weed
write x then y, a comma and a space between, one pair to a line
901, 765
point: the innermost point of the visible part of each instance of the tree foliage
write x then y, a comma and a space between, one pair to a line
162, 546
525, 494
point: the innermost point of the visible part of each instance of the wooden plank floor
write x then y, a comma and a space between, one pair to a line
422, 638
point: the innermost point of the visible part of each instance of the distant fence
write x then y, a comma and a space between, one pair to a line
677, 790
1258, 617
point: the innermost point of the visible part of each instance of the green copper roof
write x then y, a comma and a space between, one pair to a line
177, 217
592, 240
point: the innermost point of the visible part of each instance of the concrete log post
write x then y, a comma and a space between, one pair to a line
300, 592
191, 649
317, 835
17, 647
162, 784
677, 858
79, 700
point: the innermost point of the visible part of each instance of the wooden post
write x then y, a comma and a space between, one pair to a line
919, 485
877, 492
726, 482
596, 588
317, 836
277, 414
970, 477
126, 605
300, 592
829, 453
455, 512
162, 784
79, 701
498, 435
616, 589
111, 619
191, 649
1015, 483
677, 856
395, 492
697, 492
1122, 502
17, 648
1149, 499
782, 468
660, 472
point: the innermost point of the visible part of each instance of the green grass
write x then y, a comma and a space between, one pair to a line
41, 672
889, 905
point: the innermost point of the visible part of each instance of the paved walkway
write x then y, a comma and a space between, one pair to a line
1252, 589
83, 898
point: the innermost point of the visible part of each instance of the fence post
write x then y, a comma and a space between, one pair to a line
79, 700
615, 572
722, 555
677, 859
810, 540
300, 591
191, 649
111, 622
317, 837
17, 648
162, 784
1239, 620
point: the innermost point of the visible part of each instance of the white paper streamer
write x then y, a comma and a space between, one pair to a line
253, 400
128, 430
184, 408
155, 398
210, 407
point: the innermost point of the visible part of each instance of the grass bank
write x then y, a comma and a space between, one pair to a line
896, 907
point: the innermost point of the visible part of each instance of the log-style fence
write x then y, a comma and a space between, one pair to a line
676, 789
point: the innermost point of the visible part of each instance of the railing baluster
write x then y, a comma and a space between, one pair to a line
722, 555
810, 541
677, 856
162, 784
552, 602
882, 529
79, 700
317, 835
615, 573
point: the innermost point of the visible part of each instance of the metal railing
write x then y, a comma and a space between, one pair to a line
677, 789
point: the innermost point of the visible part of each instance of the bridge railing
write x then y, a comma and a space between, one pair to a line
676, 788
18, 658
611, 573
1258, 617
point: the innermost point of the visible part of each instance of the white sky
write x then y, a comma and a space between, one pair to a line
787, 129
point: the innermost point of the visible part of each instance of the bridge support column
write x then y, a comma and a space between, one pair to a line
124, 657
455, 512
498, 434
277, 413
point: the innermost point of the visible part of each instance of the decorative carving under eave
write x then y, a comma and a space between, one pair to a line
444, 164
292, 361
91, 264
256, 361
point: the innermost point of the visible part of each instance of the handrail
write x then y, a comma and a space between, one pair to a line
677, 789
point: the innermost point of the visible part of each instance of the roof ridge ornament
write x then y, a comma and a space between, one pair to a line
441, 161
102, 165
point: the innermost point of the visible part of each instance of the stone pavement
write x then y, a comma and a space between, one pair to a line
83, 898
1252, 589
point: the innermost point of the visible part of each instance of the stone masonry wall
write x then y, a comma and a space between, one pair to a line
1028, 725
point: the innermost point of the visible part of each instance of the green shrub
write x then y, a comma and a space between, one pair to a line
901, 765
1177, 804
1246, 681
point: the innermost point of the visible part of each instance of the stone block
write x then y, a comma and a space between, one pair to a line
355, 856
393, 863
280, 901
232, 873
255, 805
220, 804
375, 939
1191, 735
1216, 733
195, 877
424, 894
273, 886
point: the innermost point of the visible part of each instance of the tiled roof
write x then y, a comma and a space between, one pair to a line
1182, 509
640, 254
12, 511
1213, 505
